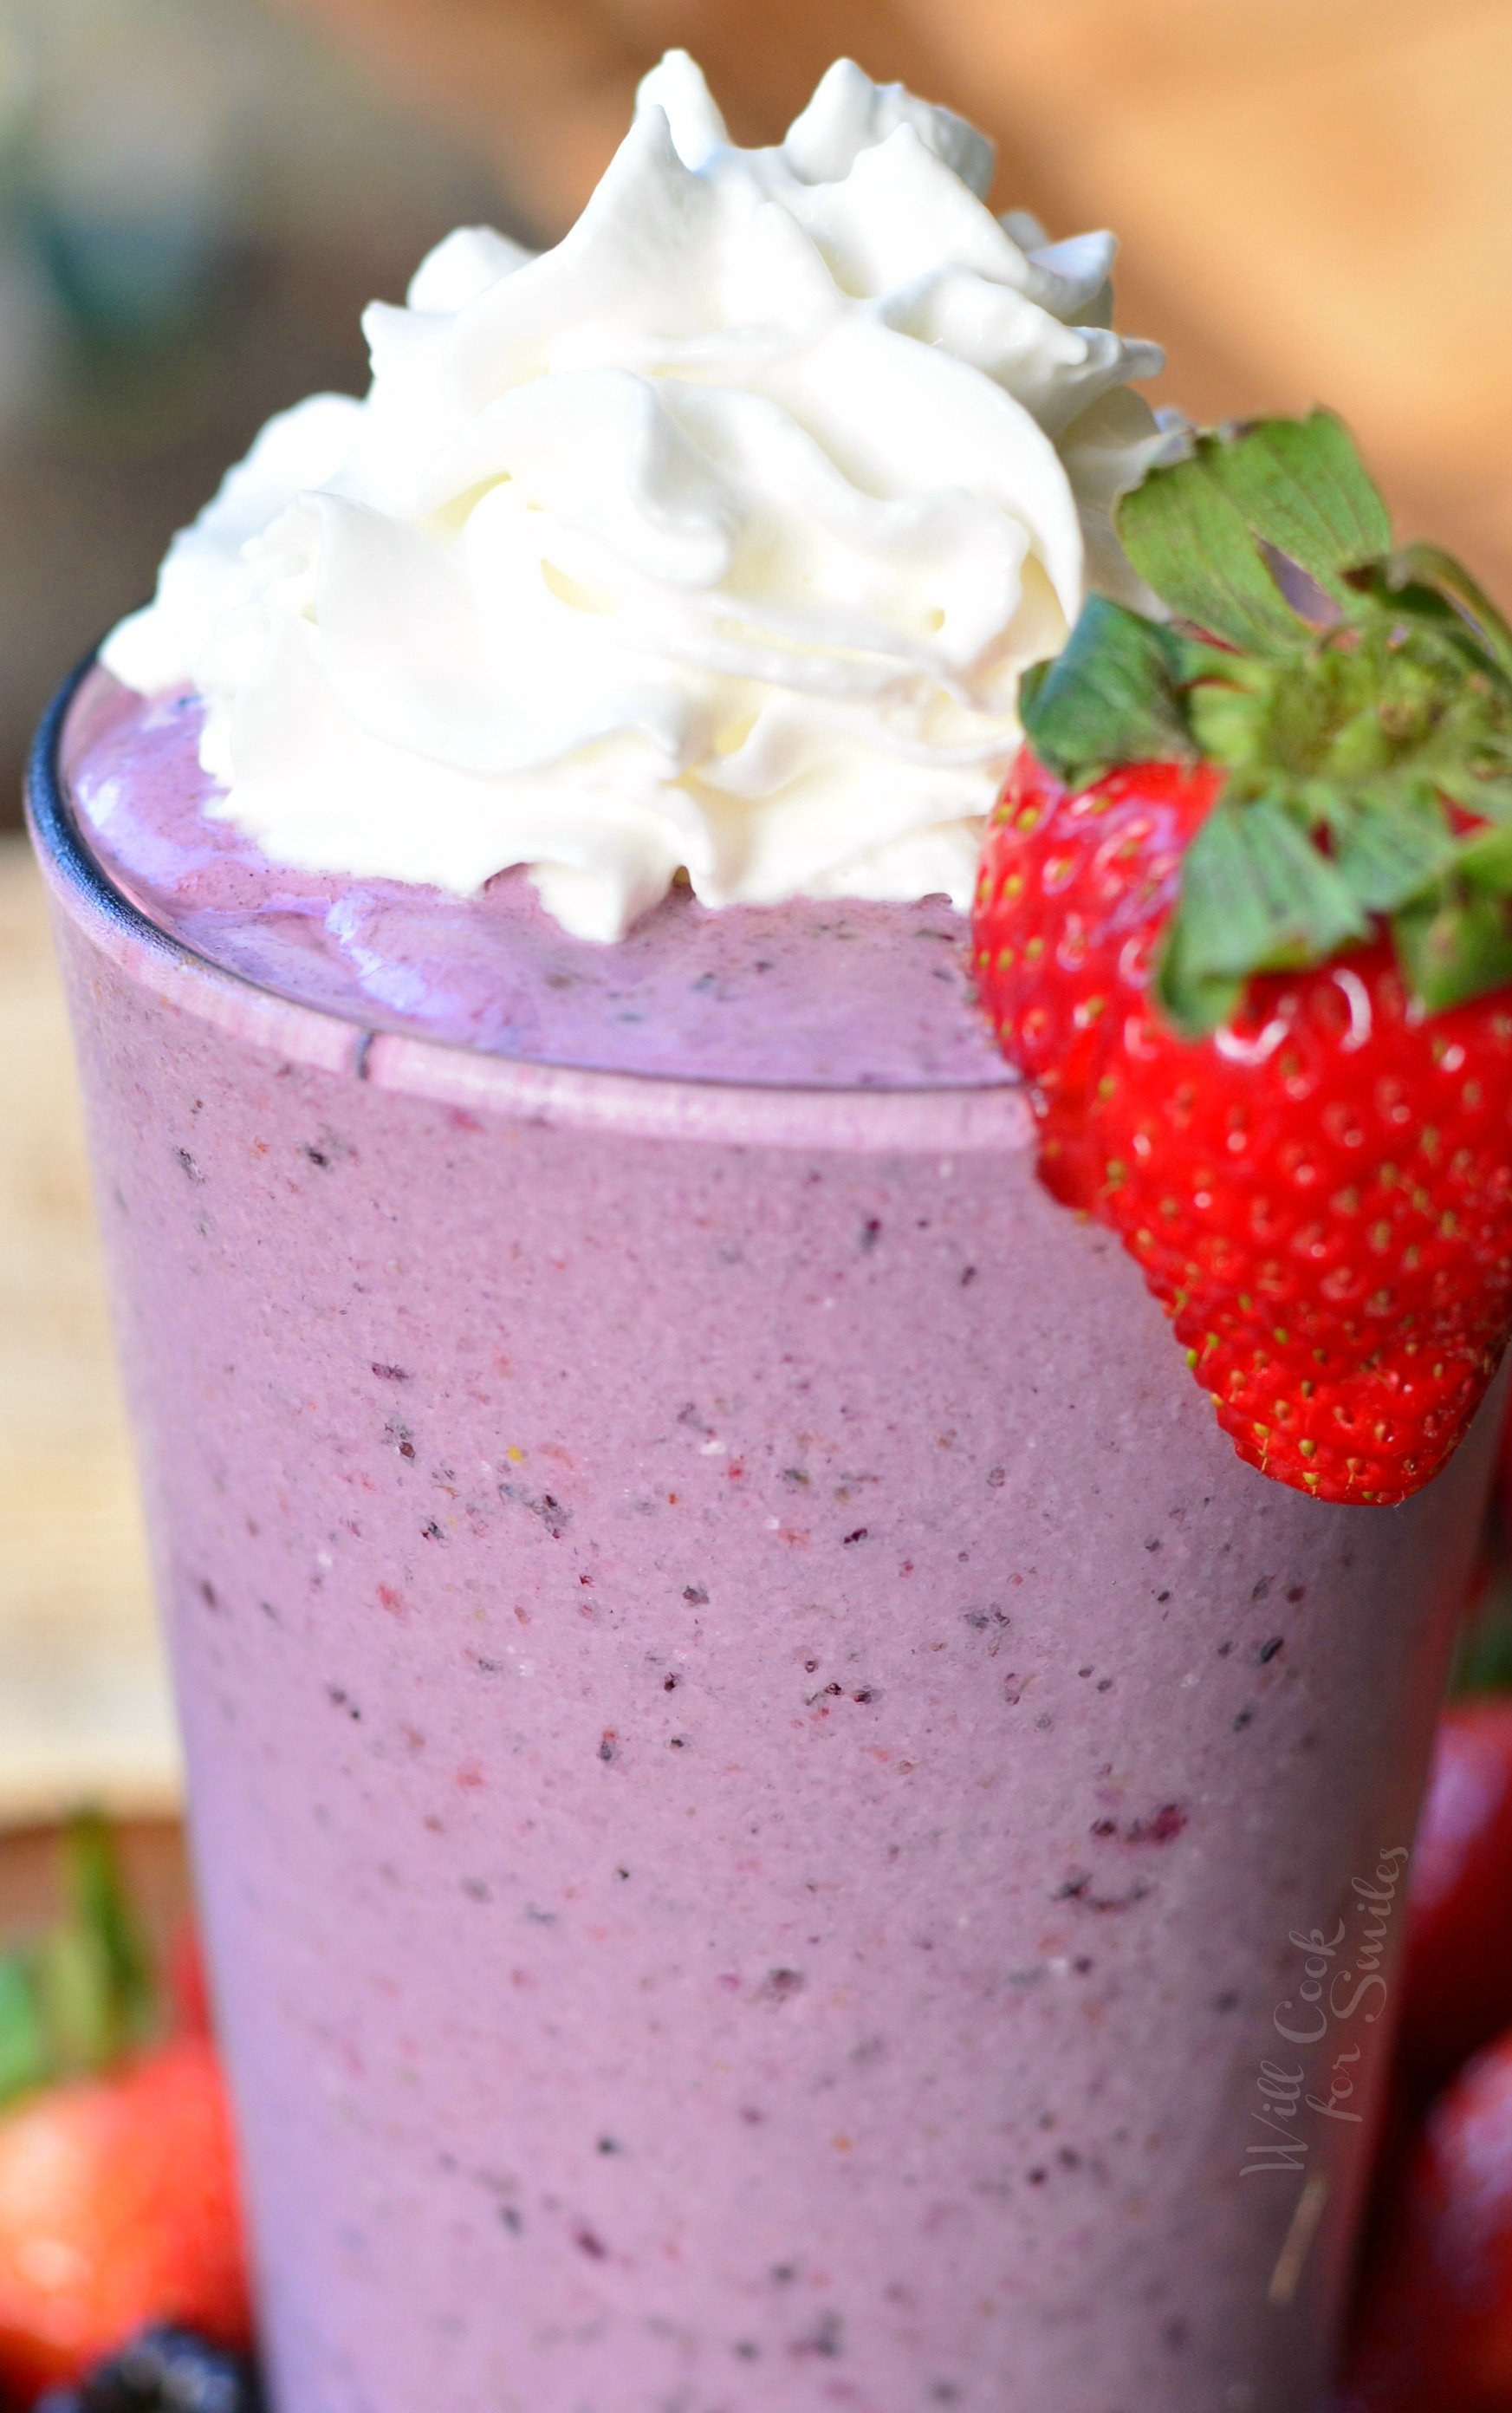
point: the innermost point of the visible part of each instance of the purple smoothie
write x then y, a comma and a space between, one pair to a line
754, 1756
828, 996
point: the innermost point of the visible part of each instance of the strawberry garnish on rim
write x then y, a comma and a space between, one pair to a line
1242, 923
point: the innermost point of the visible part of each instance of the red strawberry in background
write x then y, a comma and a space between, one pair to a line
1457, 1972
119, 2207
188, 1984
1242, 923
1435, 2328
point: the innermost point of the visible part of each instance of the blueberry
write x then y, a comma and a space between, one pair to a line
163, 2371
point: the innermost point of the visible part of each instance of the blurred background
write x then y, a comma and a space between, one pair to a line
196, 196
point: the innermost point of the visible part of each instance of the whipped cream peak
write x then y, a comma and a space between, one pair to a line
712, 542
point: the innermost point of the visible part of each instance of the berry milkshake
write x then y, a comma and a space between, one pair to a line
770, 1796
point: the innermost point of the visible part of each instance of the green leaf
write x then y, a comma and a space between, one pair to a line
1189, 542
75, 1998
1425, 616
25, 2061
103, 1916
1195, 530
1111, 696
1300, 486
1454, 951
1195, 1001
1256, 896
76, 2002
1355, 747
1484, 863
1490, 798
1427, 566
1389, 847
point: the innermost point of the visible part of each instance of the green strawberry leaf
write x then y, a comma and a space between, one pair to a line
77, 1997
1489, 797
1111, 696
26, 2058
1423, 570
1484, 863
1302, 488
103, 1919
1439, 628
1256, 896
1387, 848
1454, 951
76, 2002
1189, 542
1365, 732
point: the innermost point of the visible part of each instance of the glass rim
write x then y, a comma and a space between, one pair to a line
966, 1119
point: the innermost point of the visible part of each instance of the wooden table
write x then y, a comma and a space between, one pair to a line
83, 1706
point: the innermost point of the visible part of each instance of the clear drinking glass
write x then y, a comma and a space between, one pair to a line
781, 1824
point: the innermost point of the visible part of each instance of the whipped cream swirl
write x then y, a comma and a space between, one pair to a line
714, 541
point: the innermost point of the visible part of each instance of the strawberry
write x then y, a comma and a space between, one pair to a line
118, 2199
188, 1984
1457, 1972
1434, 2333
118, 2205
1241, 924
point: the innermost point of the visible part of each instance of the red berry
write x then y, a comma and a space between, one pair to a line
188, 1983
1456, 1975
1319, 1196
118, 2207
1436, 2330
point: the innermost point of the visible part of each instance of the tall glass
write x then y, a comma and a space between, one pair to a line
781, 1823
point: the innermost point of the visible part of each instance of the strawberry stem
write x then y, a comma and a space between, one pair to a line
1428, 566
76, 1998
1359, 699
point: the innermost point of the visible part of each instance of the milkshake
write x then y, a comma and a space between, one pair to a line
769, 1795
